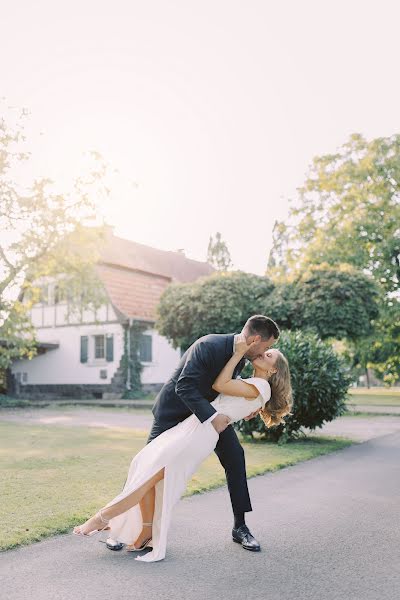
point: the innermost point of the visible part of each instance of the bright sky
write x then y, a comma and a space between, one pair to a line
211, 110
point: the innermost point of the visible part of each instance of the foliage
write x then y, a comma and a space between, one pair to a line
10, 402
217, 304
381, 351
337, 302
218, 254
385, 359
348, 211
319, 382
131, 364
43, 234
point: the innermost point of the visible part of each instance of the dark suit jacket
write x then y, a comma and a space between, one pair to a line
189, 390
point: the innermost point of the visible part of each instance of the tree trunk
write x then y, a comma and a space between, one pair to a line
367, 376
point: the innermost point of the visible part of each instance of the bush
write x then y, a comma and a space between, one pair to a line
10, 402
220, 303
333, 302
320, 383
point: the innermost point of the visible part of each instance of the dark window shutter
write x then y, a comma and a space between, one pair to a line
84, 348
109, 348
145, 348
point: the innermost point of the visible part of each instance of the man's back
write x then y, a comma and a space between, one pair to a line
199, 366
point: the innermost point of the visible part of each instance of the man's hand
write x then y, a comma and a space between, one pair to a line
220, 423
253, 414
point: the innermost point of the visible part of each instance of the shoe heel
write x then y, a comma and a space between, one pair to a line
142, 547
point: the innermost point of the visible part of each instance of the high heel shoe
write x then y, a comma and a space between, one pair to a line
94, 531
145, 544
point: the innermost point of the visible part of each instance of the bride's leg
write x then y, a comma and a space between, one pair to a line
147, 507
120, 507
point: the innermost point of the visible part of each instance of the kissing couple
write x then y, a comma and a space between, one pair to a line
193, 415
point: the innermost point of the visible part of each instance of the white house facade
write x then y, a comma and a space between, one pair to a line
86, 355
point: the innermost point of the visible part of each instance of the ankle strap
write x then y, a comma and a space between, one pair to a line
148, 524
106, 521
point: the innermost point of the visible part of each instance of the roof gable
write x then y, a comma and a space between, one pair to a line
136, 275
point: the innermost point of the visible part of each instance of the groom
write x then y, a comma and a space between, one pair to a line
189, 390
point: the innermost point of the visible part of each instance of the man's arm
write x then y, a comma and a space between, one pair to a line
197, 366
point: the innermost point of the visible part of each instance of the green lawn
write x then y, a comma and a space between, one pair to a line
374, 396
55, 477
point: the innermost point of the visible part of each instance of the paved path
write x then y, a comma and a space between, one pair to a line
77, 416
358, 428
329, 529
370, 408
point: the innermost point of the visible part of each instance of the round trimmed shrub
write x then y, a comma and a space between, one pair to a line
319, 381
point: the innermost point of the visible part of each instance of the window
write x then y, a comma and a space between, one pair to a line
97, 348
99, 351
145, 348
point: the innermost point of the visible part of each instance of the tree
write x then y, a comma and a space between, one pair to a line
334, 302
218, 254
348, 211
219, 303
380, 351
44, 234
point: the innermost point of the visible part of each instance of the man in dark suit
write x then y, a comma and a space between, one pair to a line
189, 390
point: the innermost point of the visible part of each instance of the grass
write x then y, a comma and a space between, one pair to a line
369, 415
10, 402
55, 477
374, 396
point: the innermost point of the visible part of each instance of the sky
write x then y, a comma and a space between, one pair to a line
208, 112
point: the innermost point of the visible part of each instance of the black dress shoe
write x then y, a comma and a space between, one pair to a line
242, 535
113, 544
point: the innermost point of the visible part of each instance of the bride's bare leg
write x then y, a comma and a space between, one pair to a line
147, 506
120, 507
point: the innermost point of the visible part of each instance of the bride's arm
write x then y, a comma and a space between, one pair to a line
235, 387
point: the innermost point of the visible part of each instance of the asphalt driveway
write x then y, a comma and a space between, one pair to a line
329, 529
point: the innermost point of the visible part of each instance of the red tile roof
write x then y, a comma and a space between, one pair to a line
136, 275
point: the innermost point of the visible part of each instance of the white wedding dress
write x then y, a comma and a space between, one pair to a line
180, 450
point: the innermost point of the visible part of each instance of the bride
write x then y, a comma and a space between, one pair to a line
168, 461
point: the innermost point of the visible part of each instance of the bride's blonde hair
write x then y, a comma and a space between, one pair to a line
281, 401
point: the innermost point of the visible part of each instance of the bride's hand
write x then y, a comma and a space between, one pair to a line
241, 346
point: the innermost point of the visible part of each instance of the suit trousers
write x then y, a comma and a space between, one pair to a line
231, 456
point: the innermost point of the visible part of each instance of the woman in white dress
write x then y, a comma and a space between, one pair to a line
169, 460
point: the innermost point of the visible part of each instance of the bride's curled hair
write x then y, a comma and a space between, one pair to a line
281, 401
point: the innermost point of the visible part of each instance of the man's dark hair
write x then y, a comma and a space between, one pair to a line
261, 325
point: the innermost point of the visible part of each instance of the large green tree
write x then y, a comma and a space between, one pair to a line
43, 234
348, 212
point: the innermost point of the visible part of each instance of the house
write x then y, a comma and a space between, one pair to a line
87, 356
